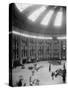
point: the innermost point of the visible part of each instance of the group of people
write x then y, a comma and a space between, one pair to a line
61, 72
33, 78
21, 83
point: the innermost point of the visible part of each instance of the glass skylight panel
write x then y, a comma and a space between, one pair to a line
36, 13
22, 7
58, 20
47, 18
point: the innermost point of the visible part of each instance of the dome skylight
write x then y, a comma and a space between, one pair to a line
22, 7
58, 19
36, 13
47, 18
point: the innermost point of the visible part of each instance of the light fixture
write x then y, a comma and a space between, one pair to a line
64, 37
36, 13
47, 18
30, 36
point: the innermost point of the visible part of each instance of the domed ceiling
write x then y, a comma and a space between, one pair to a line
42, 19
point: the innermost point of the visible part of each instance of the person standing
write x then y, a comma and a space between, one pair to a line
64, 74
20, 82
49, 67
52, 75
